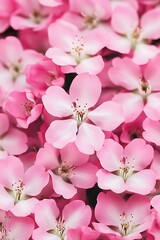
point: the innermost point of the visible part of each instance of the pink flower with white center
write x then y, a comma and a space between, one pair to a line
140, 87
68, 169
13, 61
18, 188
24, 107
12, 227
123, 219
12, 140
134, 34
89, 16
74, 51
31, 15
80, 123
125, 169
151, 131
53, 224
44, 74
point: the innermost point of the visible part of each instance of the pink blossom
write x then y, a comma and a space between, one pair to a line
123, 219
18, 189
140, 87
6, 9
72, 50
24, 107
76, 107
31, 15
44, 74
133, 33
13, 61
15, 227
125, 169
68, 169
54, 225
12, 140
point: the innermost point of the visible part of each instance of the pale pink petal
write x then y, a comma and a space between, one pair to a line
109, 181
110, 155
155, 202
57, 102
84, 176
72, 155
4, 126
152, 73
123, 46
152, 107
90, 138
40, 233
91, 65
125, 73
108, 116
132, 105
102, 228
15, 142
11, 50
61, 132
109, 207
46, 213
47, 157
60, 57
144, 52
6, 200
20, 228
141, 182
11, 171
155, 165
151, 131
35, 180
24, 208
136, 203
64, 35
143, 155
124, 19
86, 88
67, 190
150, 30
76, 214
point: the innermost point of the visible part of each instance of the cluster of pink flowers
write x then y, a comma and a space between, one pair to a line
79, 119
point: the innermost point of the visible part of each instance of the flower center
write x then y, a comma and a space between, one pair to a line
78, 49
144, 87
60, 229
91, 21
18, 190
135, 37
79, 112
28, 106
126, 168
126, 224
36, 17
65, 171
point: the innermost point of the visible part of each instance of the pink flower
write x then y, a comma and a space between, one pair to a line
120, 218
24, 107
68, 169
32, 15
44, 74
15, 227
6, 9
12, 140
140, 87
18, 189
125, 169
134, 34
54, 225
13, 61
74, 51
80, 123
